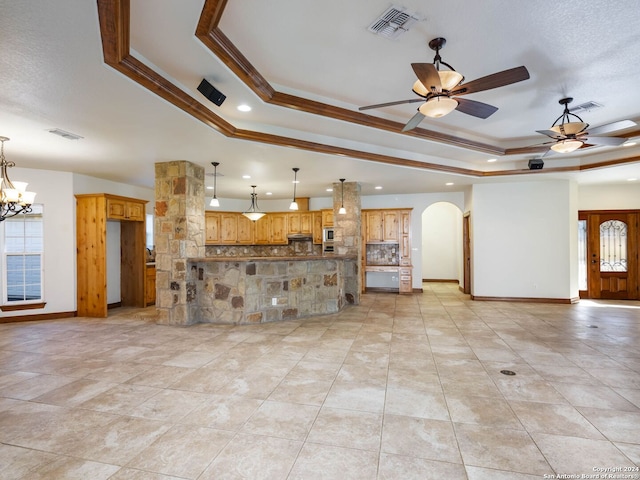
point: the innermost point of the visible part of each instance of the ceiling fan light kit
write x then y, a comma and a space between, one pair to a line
570, 135
437, 88
437, 107
566, 146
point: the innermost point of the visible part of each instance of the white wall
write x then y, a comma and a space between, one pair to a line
442, 242
53, 190
624, 196
524, 240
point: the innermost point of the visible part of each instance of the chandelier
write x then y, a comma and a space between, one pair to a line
14, 198
254, 212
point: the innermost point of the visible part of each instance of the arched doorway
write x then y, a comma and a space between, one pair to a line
442, 257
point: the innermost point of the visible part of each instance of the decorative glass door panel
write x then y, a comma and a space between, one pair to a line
612, 247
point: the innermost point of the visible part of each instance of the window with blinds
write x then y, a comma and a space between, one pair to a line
22, 257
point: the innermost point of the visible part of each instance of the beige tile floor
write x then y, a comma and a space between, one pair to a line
399, 387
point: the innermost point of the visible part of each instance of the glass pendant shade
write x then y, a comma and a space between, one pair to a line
253, 213
293, 206
438, 107
214, 202
449, 79
253, 216
566, 146
569, 128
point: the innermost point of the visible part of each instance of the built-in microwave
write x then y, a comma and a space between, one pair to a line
327, 240
327, 234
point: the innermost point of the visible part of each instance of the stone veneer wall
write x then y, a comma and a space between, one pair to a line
248, 292
348, 226
179, 233
295, 248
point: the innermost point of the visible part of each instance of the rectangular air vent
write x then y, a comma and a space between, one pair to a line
63, 134
393, 22
585, 107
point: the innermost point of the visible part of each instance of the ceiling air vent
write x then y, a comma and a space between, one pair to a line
393, 22
63, 134
585, 107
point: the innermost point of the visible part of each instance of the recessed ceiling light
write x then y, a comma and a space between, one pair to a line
628, 144
269, 193
209, 188
449, 184
246, 177
244, 108
378, 187
329, 189
491, 160
631, 179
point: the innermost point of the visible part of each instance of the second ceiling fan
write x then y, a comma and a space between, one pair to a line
440, 90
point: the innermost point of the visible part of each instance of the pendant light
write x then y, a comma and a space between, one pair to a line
294, 204
13, 197
214, 201
253, 213
342, 210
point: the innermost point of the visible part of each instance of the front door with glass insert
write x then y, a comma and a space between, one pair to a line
611, 257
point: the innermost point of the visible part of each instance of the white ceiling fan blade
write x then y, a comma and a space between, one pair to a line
414, 122
550, 133
612, 127
611, 141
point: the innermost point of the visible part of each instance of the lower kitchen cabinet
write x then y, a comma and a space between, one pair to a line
405, 285
150, 285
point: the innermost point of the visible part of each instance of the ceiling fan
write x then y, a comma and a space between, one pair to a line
569, 136
440, 90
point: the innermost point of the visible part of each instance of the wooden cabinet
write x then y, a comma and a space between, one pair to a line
262, 234
229, 228
278, 228
316, 220
327, 218
405, 238
92, 213
245, 230
299, 222
391, 226
406, 281
233, 228
120, 208
150, 285
212, 224
381, 226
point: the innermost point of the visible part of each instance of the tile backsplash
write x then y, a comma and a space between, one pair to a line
383, 254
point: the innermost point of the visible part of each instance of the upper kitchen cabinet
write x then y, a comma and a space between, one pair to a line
327, 218
300, 222
381, 226
212, 222
122, 208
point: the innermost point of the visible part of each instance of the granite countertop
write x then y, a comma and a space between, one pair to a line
296, 258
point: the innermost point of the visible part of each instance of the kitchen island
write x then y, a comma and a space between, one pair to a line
249, 290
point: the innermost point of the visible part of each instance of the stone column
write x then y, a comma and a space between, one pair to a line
348, 236
179, 234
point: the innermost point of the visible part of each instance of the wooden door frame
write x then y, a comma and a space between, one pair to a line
466, 253
593, 289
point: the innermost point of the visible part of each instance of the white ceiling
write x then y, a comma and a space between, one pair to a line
53, 76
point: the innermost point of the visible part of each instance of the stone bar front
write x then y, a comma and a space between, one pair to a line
250, 290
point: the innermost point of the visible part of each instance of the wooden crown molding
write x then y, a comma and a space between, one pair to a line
114, 18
